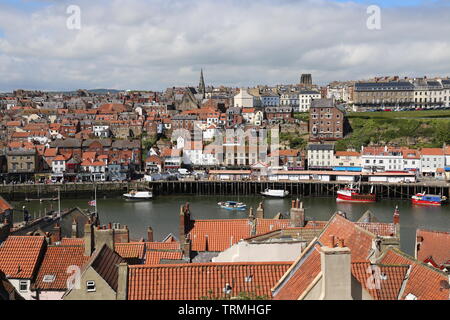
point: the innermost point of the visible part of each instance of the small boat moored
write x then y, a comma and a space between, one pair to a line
428, 199
232, 205
275, 193
138, 195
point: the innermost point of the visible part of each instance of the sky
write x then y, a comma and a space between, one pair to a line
155, 44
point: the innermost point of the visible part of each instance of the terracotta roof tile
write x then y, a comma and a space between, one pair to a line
131, 250
155, 257
195, 281
389, 279
424, 282
302, 274
435, 245
56, 262
19, 255
217, 235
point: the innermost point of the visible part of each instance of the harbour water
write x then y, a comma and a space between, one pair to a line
162, 212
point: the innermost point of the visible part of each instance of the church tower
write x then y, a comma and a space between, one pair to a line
201, 85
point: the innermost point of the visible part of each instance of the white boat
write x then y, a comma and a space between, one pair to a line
275, 193
232, 205
138, 195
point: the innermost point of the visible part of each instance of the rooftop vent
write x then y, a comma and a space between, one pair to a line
227, 289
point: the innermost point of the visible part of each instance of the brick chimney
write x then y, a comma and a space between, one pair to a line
55, 234
122, 281
88, 238
185, 218
336, 271
149, 234
297, 214
396, 221
260, 211
186, 246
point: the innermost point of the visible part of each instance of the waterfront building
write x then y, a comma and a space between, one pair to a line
432, 159
347, 161
320, 156
270, 99
381, 159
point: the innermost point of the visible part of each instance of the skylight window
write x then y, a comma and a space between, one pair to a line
410, 296
49, 278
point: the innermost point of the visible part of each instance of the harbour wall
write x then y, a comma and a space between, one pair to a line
306, 188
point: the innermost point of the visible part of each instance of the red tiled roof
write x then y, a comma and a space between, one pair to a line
130, 250
434, 244
72, 242
175, 245
267, 225
380, 281
155, 257
356, 238
195, 281
19, 255
57, 261
378, 228
304, 271
424, 282
218, 235
347, 154
432, 151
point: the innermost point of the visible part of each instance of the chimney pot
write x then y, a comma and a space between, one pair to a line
332, 242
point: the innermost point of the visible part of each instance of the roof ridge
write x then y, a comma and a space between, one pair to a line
405, 255
212, 264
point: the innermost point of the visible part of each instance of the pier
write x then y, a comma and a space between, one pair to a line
207, 187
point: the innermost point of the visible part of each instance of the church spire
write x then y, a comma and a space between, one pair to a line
201, 85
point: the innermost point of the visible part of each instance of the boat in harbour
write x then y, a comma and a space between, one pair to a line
275, 193
138, 195
428, 199
232, 205
353, 194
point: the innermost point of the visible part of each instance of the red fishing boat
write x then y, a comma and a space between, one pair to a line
353, 194
428, 199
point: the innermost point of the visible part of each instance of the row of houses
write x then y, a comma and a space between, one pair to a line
425, 161
280, 258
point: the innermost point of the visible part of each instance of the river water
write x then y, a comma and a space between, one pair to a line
162, 212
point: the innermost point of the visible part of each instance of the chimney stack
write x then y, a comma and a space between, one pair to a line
260, 211
149, 234
88, 238
336, 272
104, 236
122, 281
74, 229
297, 214
186, 247
396, 221
55, 234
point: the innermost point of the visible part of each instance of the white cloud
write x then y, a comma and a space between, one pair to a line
161, 43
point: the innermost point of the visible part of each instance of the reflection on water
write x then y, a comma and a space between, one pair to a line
162, 212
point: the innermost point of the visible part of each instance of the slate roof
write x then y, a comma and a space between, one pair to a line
104, 262
195, 281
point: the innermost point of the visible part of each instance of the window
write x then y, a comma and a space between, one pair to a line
49, 278
90, 286
23, 285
